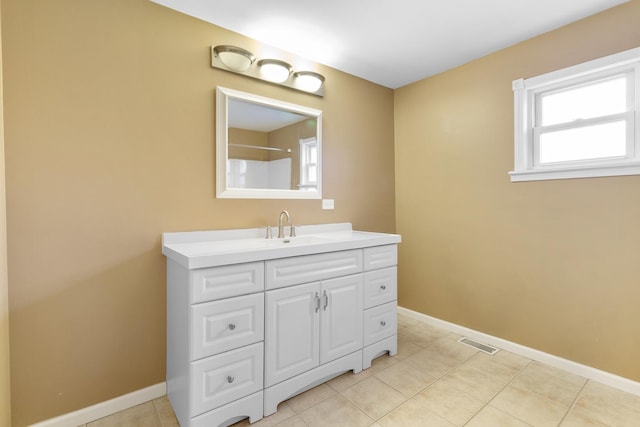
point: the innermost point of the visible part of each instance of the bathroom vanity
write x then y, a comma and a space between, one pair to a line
252, 322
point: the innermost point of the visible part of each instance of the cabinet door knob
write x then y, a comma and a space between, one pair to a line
383, 287
230, 379
383, 323
232, 326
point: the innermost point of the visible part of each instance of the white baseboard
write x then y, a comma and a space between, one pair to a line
584, 371
108, 407
100, 410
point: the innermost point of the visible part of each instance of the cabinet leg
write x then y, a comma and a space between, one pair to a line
387, 345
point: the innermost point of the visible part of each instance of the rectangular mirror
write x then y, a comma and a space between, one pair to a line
266, 149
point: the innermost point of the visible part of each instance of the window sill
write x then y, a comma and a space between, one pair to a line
579, 172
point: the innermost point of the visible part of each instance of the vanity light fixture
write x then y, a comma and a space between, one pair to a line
235, 58
276, 71
308, 80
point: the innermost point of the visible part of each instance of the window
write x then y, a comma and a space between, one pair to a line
308, 164
580, 121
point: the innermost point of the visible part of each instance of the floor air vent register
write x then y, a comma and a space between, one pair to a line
479, 346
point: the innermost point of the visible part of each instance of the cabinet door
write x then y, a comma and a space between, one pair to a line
341, 317
291, 332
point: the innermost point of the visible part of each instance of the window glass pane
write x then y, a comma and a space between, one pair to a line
313, 154
312, 174
585, 102
589, 142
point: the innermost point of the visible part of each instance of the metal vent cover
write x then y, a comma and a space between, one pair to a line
479, 346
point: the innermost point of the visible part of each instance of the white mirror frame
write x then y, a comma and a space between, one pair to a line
223, 95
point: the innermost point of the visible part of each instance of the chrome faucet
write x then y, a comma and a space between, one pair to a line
281, 225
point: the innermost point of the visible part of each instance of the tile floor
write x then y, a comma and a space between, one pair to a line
435, 381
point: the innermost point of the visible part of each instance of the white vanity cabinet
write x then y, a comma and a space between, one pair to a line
310, 325
215, 347
380, 302
313, 330
247, 330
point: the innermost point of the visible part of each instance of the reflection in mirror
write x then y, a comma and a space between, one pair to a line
266, 148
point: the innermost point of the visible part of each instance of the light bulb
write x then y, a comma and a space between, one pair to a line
308, 80
274, 70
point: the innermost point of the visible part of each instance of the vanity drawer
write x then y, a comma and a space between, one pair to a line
223, 325
209, 284
380, 322
218, 380
310, 268
380, 286
380, 257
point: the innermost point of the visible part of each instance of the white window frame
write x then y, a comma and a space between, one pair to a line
526, 94
305, 182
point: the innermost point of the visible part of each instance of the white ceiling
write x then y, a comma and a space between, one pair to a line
390, 43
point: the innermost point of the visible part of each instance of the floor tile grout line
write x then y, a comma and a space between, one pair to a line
375, 420
327, 398
507, 384
315, 404
155, 407
289, 418
424, 345
437, 380
440, 377
575, 400
407, 398
567, 409
570, 406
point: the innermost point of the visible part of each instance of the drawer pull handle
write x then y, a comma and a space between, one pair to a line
383, 323
326, 300
317, 298
232, 326
383, 287
230, 379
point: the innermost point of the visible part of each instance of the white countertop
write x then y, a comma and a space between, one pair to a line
200, 249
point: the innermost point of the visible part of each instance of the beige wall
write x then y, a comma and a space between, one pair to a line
289, 137
553, 265
109, 117
247, 137
5, 395
109, 142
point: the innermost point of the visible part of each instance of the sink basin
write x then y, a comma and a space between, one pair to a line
199, 249
257, 243
299, 240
